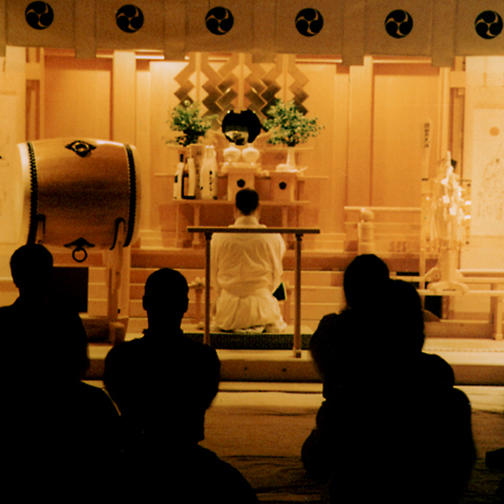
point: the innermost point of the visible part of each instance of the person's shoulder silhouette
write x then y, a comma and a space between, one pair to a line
45, 335
58, 425
164, 379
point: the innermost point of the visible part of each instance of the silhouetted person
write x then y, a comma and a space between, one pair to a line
163, 383
333, 342
59, 427
392, 426
494, 459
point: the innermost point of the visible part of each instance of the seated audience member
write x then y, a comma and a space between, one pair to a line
61, 430
163, 383
247, 269
494, 459
332, 342
394, 427
336, 347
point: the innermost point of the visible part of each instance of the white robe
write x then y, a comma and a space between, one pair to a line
246, 269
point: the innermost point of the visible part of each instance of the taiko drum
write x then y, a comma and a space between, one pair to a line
80, 193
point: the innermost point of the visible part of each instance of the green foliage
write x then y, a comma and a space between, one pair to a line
186, 117
288, 125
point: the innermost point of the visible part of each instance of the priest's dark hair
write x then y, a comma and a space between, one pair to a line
247, 201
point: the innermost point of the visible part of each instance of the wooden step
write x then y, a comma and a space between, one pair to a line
97, 275
97, 307
136, 309
140, 275
327, 278
97, 290
310, 293
137, 324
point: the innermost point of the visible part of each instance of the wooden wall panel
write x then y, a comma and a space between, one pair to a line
163, 156
143, 137
368, 153
77, 97
12, 130
12, 82
124, 97
360, 112
405, 97
327, 100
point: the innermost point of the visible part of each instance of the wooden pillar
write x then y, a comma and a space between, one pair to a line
206, 335
13, 83
360, 134
297, 298
123, 130
123, 97
496, 313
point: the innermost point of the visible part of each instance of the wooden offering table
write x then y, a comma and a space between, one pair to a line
298, 232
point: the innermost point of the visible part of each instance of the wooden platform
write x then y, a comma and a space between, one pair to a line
321, 260
475, 361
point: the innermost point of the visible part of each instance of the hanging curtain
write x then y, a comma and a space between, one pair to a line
443, 32
40, 24
346, 28
124, 25
218, 25
174, 29
399, 28
309, 26
479, 27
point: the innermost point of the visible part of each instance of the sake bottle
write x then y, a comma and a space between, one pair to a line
177, 181
189, 180
208, 181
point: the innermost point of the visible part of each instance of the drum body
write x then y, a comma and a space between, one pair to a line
80, 193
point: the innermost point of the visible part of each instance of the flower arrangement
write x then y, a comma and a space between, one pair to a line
288, 125
185, 117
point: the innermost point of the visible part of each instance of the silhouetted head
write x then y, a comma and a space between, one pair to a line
31, 267
363, 279
247, 201
166, 295
405, 324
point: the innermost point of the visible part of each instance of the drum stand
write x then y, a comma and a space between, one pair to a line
117, 261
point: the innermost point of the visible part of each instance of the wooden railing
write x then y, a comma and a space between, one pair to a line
493, 277
298, 232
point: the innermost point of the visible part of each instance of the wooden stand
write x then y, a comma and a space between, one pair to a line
118, 261
239, 179
283, 186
